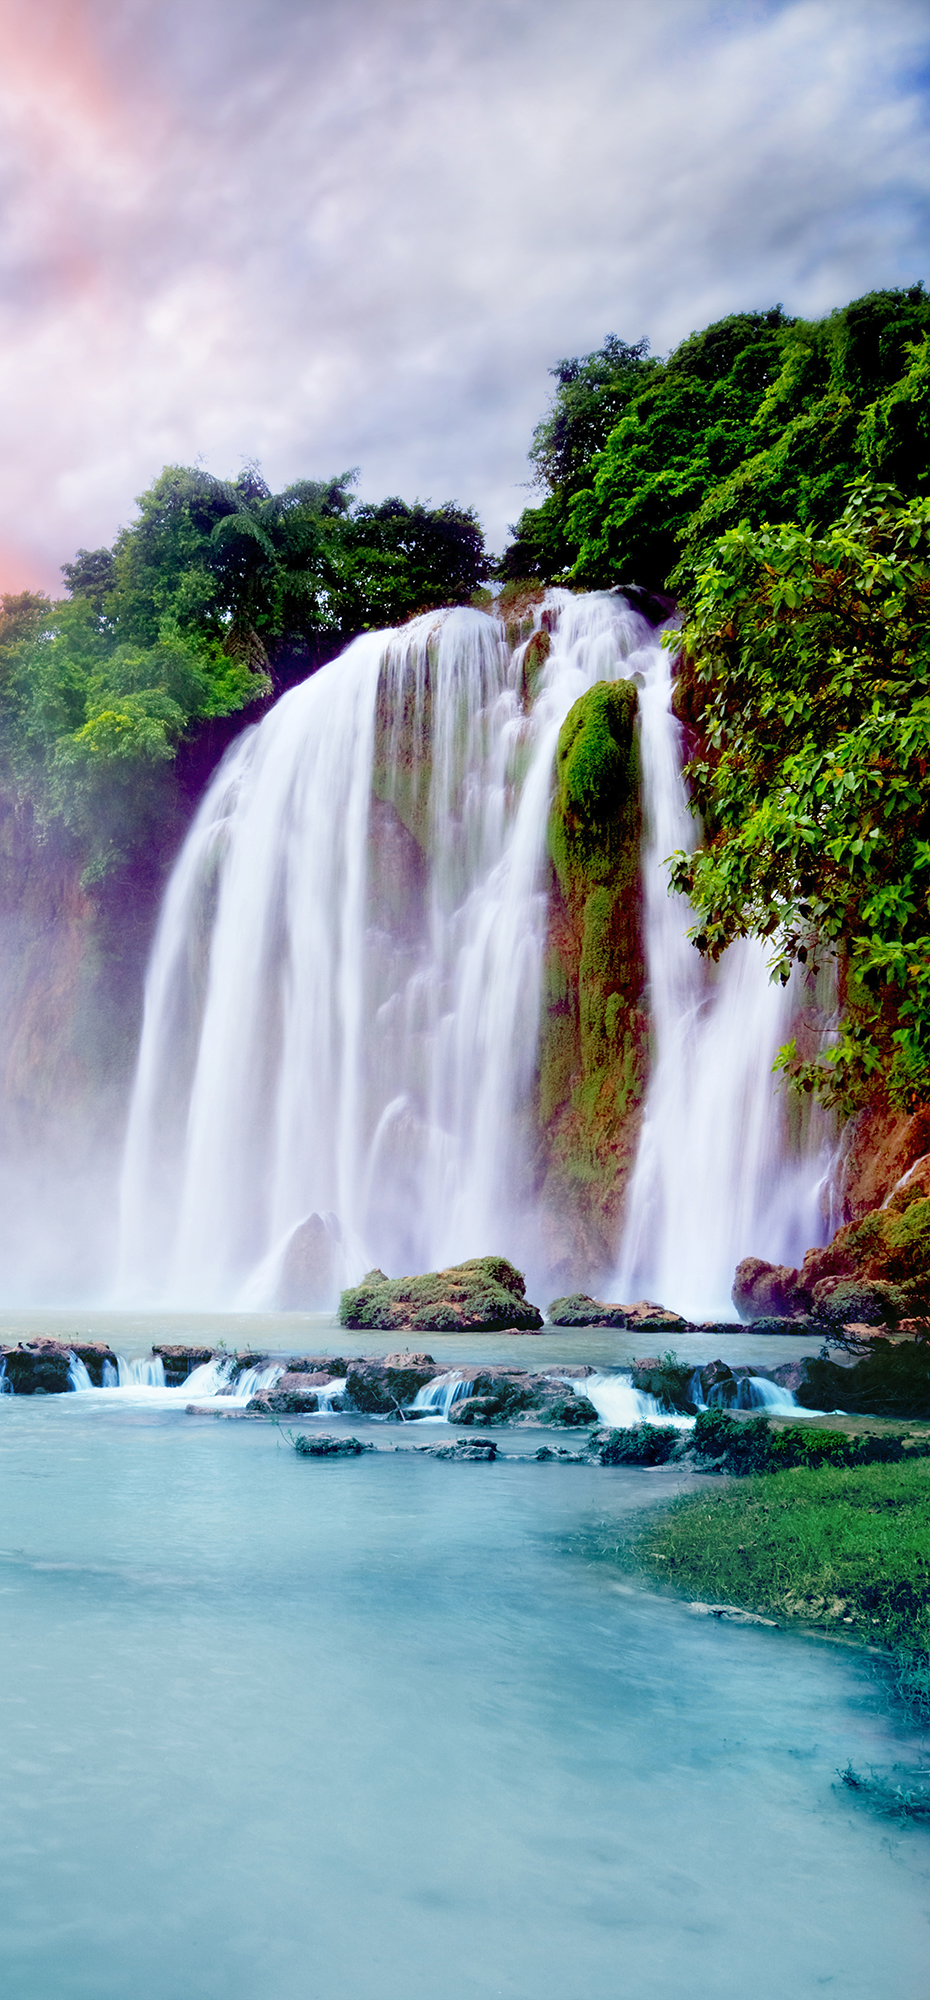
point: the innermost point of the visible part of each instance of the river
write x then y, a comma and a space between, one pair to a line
386, 1728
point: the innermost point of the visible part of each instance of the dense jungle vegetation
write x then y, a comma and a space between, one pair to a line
217, 595
772, 475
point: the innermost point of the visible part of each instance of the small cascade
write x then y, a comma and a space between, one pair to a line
617, 1403
746, 1392
5, 1387
716, 1175
77, 1374
435, 1400
148, 1374
251, 1382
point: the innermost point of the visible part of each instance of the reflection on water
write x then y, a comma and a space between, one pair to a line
377, 1730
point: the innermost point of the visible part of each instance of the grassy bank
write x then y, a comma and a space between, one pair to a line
846, 1549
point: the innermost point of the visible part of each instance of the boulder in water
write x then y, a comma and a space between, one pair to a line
577, 1309
382, 1389
307, 1281
482, 1295
39, 1369
767, 1291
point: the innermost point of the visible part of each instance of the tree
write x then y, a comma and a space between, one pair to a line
807, 673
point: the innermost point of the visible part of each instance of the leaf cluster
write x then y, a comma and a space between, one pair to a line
758, 417
189, 616
807, 667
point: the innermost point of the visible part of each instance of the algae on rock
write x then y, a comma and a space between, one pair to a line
484, 1294
594, 1030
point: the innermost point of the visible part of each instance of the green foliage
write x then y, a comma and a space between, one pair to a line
754, 1445
808, 670
892, 1380
593, 392
202, 596
845, 1547
757, 418
668, 1380
641, 1444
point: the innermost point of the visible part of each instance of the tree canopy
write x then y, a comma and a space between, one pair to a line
215, 592
806, 673
758, 417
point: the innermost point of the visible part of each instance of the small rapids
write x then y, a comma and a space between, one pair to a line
212, 1381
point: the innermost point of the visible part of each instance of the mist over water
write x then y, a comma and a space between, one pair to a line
343, 1003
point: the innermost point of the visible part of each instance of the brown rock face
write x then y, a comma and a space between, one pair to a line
768, 1291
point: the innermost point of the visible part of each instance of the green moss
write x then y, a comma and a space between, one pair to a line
484, 1293
593, 1043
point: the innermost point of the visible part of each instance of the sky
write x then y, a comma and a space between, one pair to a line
318, 234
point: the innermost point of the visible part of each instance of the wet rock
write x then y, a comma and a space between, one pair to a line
571, 1413
470, 1450
382, 1388
765, 1291
95, 1354
38, 1368
329, 1447
308, 1281
482, 1295
646, 1317
332, 1366
179, 1361
577, 1309
668, 1380
296, 1394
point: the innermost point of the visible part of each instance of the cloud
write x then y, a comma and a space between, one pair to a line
330, 236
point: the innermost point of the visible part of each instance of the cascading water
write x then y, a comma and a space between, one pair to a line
714, 1177
342, 1008
307, 1049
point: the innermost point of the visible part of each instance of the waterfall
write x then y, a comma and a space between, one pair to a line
436, 1398
617, 1403
714, 1177
342, 1007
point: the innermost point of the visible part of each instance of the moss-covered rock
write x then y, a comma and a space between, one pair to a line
577, 1309
875, 1270
594, 1039
485, 1294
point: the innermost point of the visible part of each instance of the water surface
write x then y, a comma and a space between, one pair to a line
277, 1729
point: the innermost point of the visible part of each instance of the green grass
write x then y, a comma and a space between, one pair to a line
844, 1548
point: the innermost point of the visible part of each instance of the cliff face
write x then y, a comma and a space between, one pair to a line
71, 977
594, 1035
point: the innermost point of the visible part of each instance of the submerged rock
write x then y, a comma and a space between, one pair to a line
329, 1447
483, 1295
